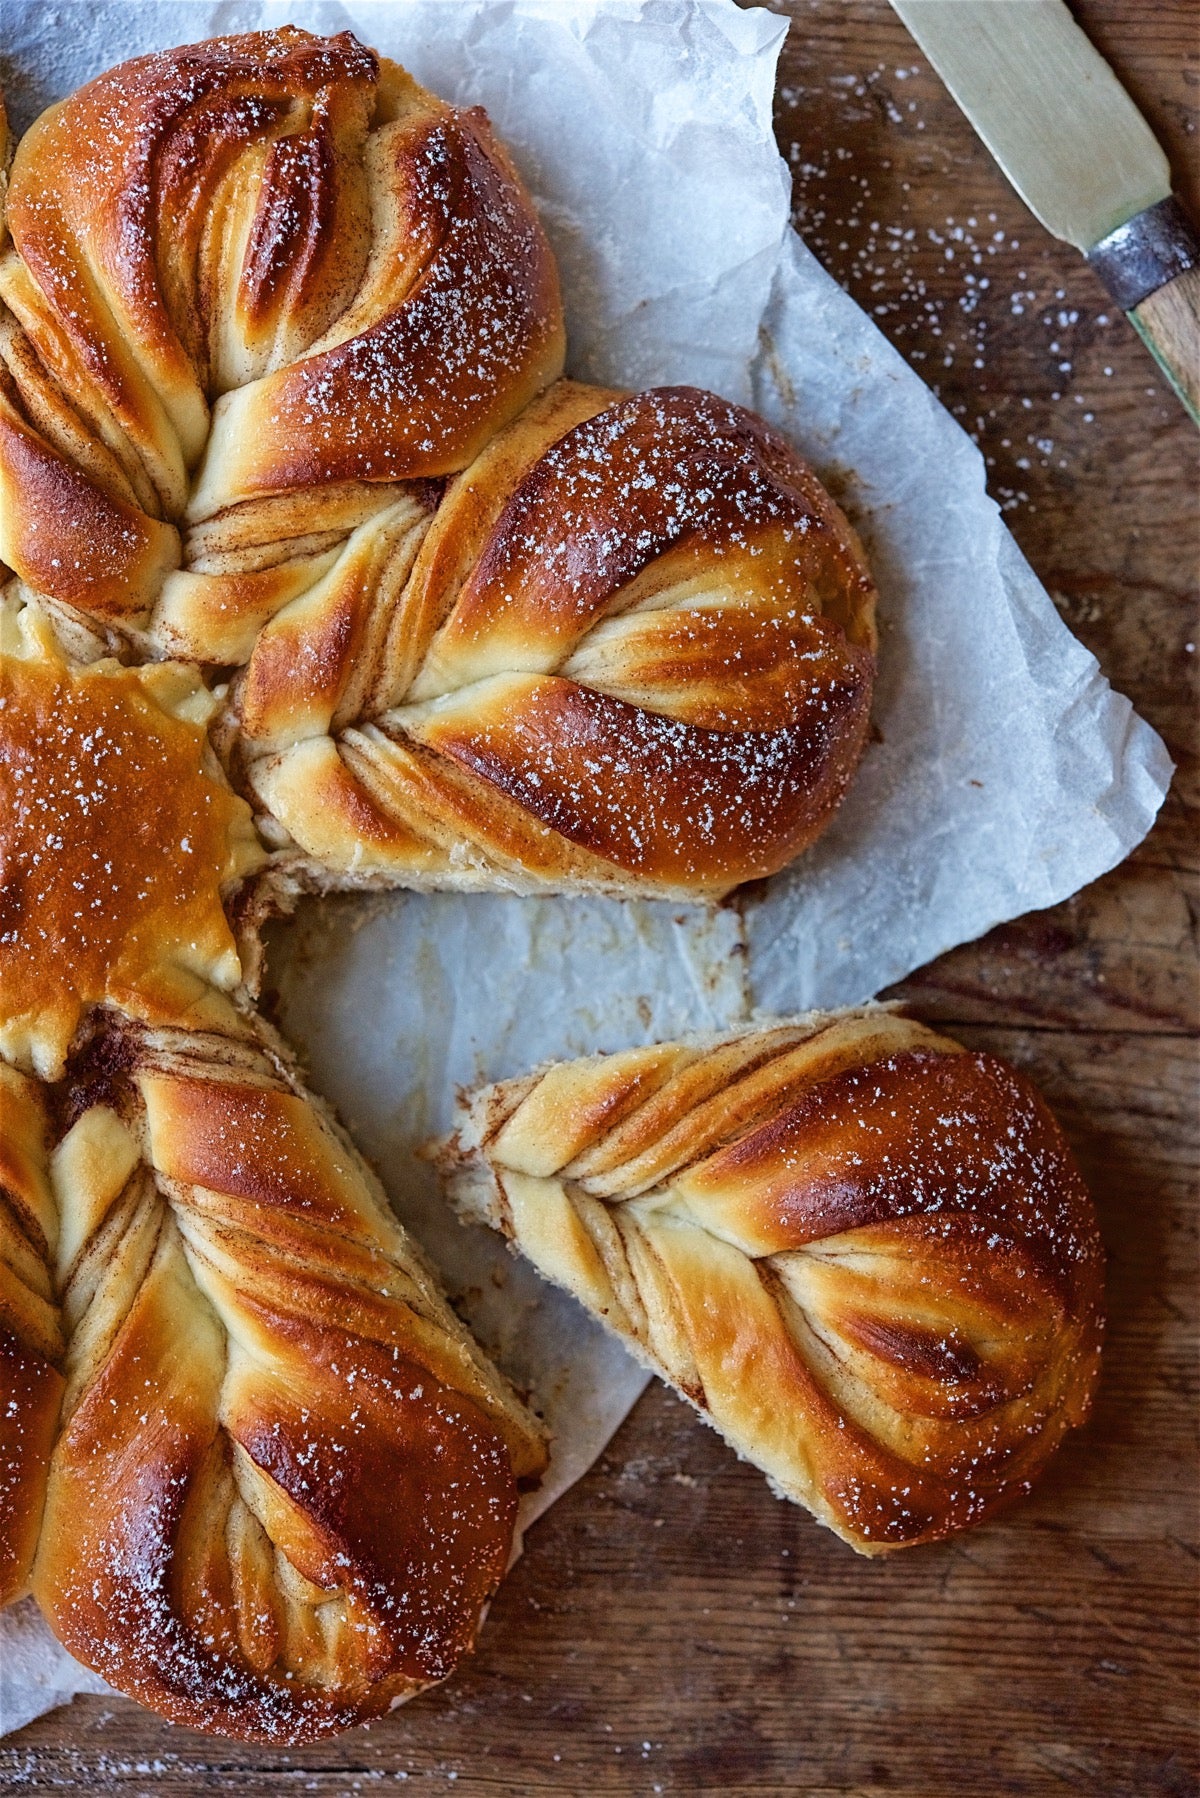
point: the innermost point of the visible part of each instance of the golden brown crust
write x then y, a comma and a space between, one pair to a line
299, 1518
31, 1338
255, 1471
70, 538
271, 252
862, 1252
266, 295
634, 654
451, 353
120, 839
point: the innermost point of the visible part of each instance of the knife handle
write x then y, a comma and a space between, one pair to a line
1168, 322
1151, 266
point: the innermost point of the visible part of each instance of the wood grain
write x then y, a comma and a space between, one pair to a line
1168, 322
672, 1627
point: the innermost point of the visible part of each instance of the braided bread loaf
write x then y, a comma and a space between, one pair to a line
265, 298
863, 1254
254, 1469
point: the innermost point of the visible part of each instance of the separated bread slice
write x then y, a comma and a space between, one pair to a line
862, 1252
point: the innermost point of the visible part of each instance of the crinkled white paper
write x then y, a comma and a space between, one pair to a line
1008, 774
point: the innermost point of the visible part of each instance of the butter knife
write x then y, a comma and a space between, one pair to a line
1081, 156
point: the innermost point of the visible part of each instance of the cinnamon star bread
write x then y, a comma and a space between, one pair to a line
317, 573
861, 1252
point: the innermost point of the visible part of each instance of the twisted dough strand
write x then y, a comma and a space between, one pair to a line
259, 266
31, 1333
244, 345
634, 653
862, 1253
254, 1470
299, 1518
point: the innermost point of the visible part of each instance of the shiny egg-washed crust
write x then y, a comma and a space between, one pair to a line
633, 654
121, 844
280, 339
283, 1482
32, 1343
862, 1253
252, 1467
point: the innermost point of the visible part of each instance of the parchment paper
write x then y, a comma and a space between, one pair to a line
1008, 773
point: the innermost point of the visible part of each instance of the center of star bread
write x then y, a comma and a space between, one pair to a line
120, 843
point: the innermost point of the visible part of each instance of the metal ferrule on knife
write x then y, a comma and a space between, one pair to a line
1146, 252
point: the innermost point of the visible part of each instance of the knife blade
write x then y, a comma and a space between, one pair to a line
1081, 156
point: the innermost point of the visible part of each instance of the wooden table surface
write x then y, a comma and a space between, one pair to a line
672, 1627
